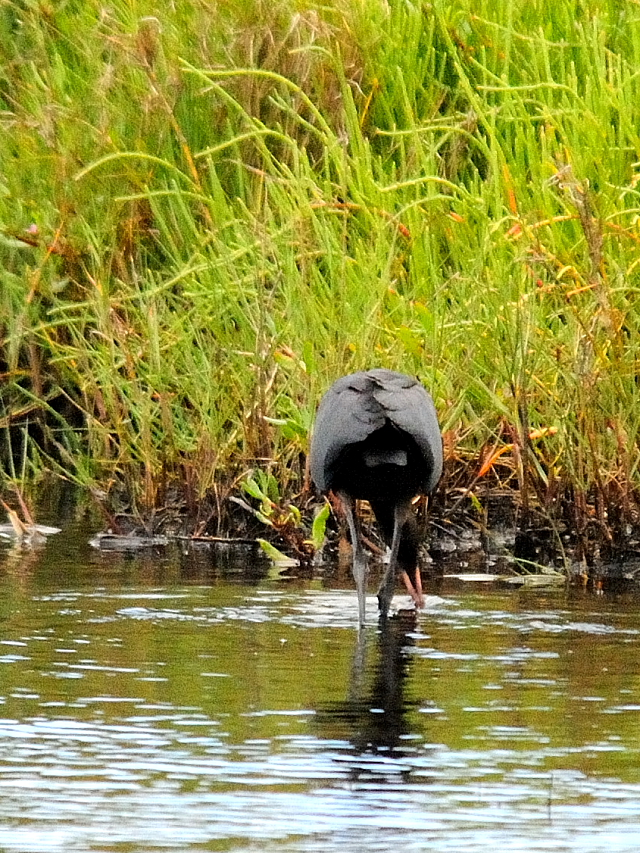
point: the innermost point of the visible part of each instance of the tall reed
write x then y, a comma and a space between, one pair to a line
208, 212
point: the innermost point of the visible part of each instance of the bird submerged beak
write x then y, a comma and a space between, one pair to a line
360, 565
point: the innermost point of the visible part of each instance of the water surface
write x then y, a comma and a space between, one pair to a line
182, 701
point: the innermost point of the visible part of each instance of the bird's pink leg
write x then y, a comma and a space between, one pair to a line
414, 591
418, 588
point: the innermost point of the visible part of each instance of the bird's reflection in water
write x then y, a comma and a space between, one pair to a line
375, 716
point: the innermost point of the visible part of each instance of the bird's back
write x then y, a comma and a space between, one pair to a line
367, 421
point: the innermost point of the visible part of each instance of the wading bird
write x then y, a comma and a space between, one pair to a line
376, 437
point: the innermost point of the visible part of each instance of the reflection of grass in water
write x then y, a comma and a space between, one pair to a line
208, 218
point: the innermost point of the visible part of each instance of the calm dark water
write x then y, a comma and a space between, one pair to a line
166, 702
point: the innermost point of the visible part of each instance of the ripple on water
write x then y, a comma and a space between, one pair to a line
140, 720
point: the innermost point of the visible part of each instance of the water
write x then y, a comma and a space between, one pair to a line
173, 701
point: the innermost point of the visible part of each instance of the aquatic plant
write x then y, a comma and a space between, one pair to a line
207, 214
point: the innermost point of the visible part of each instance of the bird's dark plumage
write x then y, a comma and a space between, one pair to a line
376, 437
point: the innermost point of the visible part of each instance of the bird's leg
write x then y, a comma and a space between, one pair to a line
415, 591
360, 566
411, 558
419, 599
401, 512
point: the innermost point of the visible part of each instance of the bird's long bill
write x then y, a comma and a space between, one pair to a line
360, 574
360, 565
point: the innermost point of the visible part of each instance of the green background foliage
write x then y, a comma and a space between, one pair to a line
209, 211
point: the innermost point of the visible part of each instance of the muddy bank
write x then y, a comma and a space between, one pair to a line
492, 535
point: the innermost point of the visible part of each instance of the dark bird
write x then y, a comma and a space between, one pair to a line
376, 438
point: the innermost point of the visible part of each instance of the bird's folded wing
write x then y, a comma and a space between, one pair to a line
411, 409
347, 415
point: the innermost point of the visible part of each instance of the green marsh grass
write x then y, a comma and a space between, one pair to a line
210, 211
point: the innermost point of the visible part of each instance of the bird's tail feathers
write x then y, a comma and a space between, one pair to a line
372, 457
